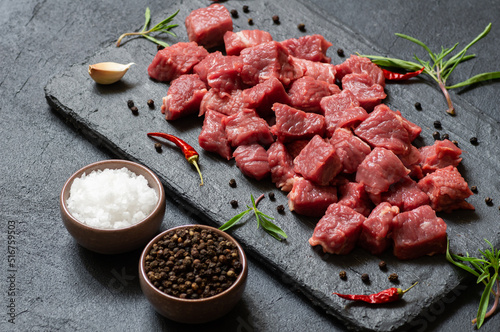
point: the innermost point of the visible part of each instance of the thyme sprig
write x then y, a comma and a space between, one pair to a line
163, 26
486, 269
262, 220
439, 68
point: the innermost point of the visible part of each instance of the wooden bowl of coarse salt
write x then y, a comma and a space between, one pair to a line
113, 206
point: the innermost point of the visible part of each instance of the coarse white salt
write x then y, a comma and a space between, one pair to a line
111, 198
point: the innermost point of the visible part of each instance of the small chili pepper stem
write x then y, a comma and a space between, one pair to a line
194, 161
401, 292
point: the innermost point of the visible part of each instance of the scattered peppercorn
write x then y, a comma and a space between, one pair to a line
234, 13
159, 47
281, 209
418, 106
473, 189
245, 9
343, 275
250, 21
192, 263
365, 277
158, 147
135, 110
393, 277
130, 103
301, 27
276, 19
473, 140
455, 142
488, 201
234, 203
340, 52
436, 135
437, 124
151, 103
232, 183
382, 265
445, 136
271, 196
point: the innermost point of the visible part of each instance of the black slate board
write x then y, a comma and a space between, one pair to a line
101, 113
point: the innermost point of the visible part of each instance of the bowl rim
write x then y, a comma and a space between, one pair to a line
241, 277
69, 182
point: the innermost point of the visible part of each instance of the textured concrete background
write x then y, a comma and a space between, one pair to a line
58, 285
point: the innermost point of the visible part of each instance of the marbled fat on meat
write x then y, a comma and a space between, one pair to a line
309, 199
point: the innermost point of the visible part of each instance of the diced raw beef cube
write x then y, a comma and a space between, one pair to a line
309, 199
213, 136
207, 26
361, 85
412, 129
311, 47
341, 110
439, 155
318, 162
268, 60
338, 230
246, 127
353, 195
262, 96
350, 149
293, 124
406, 195
204, 66
175, 60
295, 147
306, 93
377, 227
411, 158
318, 70
227, 104
357, 64
447, 189
417, 233
225, 74
252, 161
237, 41
281, 164
379, 170
384, 128
183, 97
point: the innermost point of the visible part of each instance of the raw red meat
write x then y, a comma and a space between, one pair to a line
341, 110
361, 85
206, 26
379, 170
312, 47
417, 233
357, 64
295, 147
350, 149
224, 103
318, 162
439, 155
318, 70
412, 129
281, 164
237, 41
268, 60
376, 228
213, 135
204, 66
306, 93
353, 195
246, 127
252, 161
225, 74
338, 230
293, 124
406, 195
183, 97
309, 199
176, 60
263, 95
384, 128
447, 189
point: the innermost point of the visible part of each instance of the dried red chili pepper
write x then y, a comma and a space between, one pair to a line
189, 152
392, 76
385, 296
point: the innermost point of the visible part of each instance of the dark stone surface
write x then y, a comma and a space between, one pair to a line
61, 286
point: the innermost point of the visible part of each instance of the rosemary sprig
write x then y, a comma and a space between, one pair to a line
439, 67
482, 268
262, 220
163, 26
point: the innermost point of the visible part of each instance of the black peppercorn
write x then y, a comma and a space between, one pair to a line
436, 135
130, 103
488, 201
281, 209
393, 277
473, 140
271, 196
276, 19
343, 275
301, 27
437, 124
382, 265
151, 103
473, 189
232, 183
158, 147
250, 21
340, 52
445, 136
234, 203
455, 142
234, 13
365, 277
418, 106
245, 9
135, 110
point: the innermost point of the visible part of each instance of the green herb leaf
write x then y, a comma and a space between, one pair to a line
485, 298
147, 16
234, 220
476, 79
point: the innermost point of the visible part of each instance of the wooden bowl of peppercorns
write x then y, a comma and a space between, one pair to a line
193, 273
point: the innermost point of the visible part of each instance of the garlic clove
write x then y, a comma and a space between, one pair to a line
108, 72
